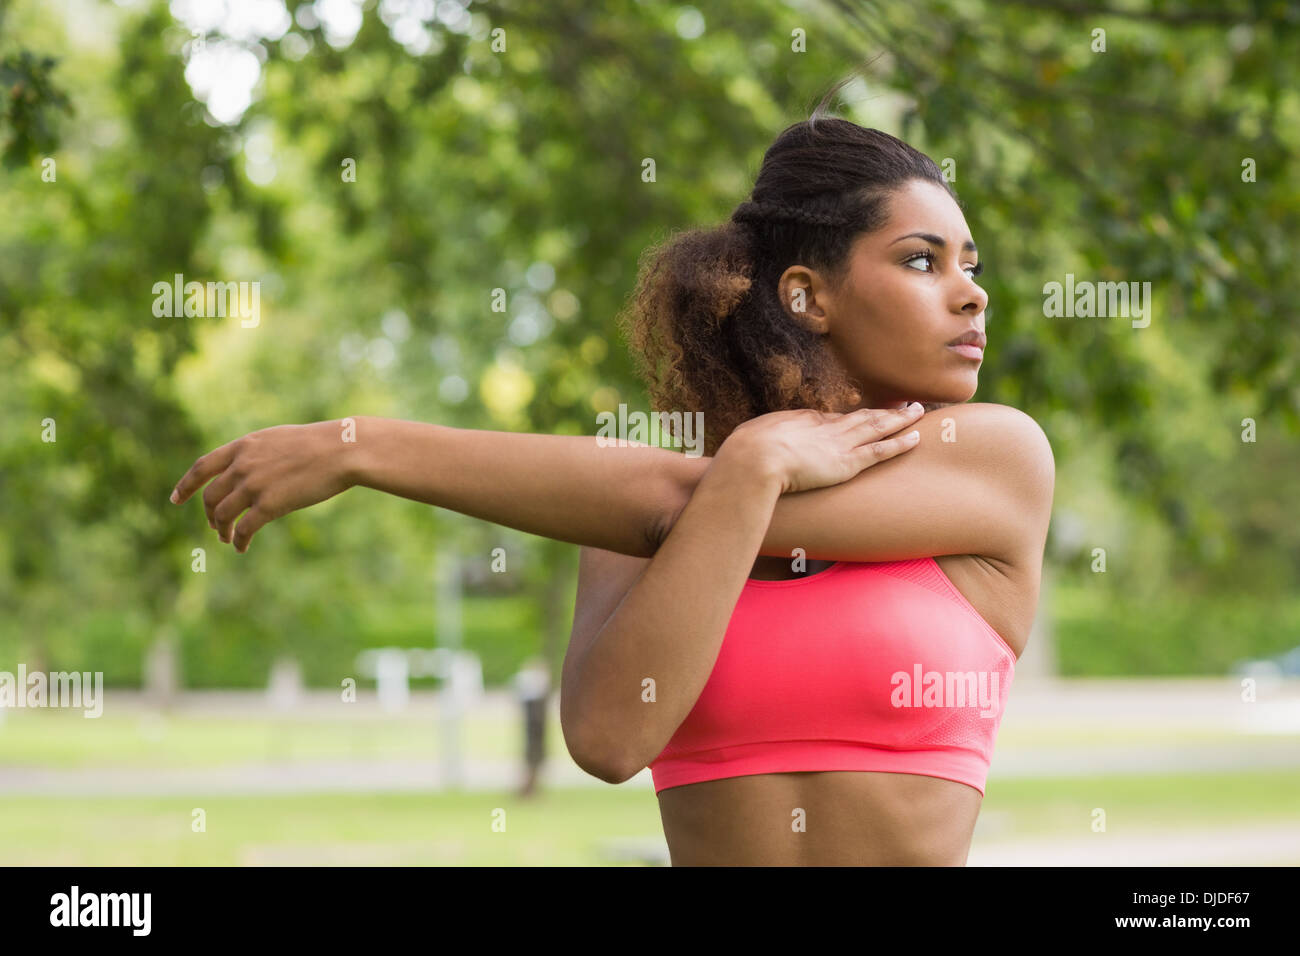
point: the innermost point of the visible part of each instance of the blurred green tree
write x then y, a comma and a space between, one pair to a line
445, 217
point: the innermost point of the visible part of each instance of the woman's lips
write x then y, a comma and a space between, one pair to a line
970, 351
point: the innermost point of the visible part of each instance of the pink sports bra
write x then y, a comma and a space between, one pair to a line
863, 666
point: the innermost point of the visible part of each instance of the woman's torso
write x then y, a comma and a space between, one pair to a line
846, 817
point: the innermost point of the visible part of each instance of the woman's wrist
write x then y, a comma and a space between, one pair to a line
741, 472
746, 482
743, 454
362, 434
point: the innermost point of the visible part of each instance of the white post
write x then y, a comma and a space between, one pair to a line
392, 674
284, 690
162, 669
448, 630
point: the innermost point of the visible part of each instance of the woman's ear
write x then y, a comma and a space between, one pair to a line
802, 293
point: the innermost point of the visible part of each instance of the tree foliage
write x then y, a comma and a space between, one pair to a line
388, 200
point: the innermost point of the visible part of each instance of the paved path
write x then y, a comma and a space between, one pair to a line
327, 776
1257, 845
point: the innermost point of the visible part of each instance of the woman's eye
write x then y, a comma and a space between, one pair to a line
921, 257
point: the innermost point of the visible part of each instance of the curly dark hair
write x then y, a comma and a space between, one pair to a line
704, 322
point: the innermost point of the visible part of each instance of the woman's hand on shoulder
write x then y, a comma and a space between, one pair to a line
803, 449
980, 481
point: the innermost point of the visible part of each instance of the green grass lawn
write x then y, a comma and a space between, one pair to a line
64, 738
560, 828
1061, 807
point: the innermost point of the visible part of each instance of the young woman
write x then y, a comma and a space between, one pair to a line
836, 710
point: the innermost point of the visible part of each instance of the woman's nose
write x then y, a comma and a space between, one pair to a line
977, 299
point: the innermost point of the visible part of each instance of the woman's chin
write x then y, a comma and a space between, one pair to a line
944, 396
956, 393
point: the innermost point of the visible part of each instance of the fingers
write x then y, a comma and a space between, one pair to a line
230, 508
866, 422
223, 502
877, 451
210, 464
248, 526
216, 492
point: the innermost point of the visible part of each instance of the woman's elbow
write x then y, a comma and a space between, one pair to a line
598, 764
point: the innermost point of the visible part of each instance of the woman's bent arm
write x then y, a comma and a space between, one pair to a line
641, 674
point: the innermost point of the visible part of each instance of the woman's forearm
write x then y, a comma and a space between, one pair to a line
566, 487
669, 627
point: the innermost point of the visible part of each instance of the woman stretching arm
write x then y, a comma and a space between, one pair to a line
974, 461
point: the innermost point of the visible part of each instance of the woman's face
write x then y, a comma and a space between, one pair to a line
908, 293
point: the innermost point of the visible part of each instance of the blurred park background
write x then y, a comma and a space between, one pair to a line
383, 170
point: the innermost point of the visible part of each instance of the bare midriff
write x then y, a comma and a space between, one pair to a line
832, 818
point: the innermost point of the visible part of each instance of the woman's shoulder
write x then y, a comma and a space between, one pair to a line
994, 462
991, 415
1010, 447
998, 437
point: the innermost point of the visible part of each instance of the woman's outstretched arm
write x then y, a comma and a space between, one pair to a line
979, 483
567, 487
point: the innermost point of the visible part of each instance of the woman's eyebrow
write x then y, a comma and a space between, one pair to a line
967, 246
